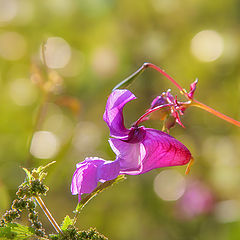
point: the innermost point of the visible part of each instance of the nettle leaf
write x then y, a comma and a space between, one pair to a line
16, 231
39, 172
66, 222
29, 175
40, 169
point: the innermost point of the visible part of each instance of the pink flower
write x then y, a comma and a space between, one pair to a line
138, 149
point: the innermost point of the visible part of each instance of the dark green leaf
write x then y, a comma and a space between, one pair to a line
16, 231
29, 175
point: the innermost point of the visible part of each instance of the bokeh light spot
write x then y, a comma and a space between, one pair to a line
74, 66
22, 92
57, 52
155, 45
105, 62
12, 45
8, 10
60, 125
26, 12
44, 145
61, 7
169, 185
207, 45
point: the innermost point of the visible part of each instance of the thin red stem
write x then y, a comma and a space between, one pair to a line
214, 112
149, 112
166, 75
192, 102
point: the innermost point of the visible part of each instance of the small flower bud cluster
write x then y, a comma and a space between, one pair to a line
72, 234
24, 201
37, 188
33, 218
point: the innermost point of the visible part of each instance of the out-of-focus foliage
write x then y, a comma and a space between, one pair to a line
90, 47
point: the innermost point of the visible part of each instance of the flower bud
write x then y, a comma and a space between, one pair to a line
169, 122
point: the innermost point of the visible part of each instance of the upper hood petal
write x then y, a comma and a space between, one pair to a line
113, 113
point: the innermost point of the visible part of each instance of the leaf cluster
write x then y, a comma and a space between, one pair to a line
71, 233
15, 231
30, 188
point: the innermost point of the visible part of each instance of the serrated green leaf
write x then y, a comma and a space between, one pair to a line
42, 176
6, 233
41, 168
38, 173
66, 222
16, 231
28, 173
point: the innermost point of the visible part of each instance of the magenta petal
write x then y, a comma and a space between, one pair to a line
108, 170
129, 155
192, 89
113, 114
85, 177
163, 150
159, 100
90, 172
156, 150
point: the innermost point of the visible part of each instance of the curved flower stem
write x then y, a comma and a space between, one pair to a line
191, 102
48, 214
194, 102
214, 112
126, 82
183, 91
91, 195
141, 119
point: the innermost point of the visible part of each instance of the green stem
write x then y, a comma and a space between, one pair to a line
43, 49
37, 126
196, 103
126, 82
48, 214
97, 190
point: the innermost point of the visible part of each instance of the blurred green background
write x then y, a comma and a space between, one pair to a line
90, 47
